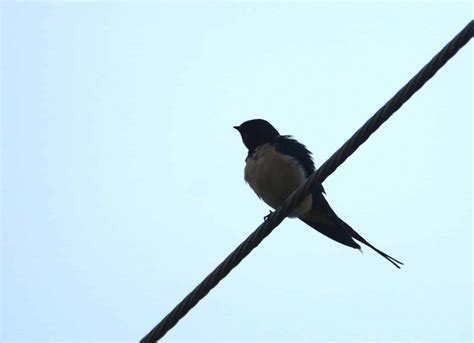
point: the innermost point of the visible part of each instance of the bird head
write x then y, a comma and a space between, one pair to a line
256, 132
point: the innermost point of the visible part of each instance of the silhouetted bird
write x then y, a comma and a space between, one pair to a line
276, 166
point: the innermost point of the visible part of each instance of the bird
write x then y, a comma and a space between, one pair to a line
276, 165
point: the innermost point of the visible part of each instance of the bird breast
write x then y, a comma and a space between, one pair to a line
274, 176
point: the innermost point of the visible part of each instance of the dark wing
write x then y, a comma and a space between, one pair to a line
322, 218
291, 147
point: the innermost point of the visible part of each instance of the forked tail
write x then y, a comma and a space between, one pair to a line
361, 239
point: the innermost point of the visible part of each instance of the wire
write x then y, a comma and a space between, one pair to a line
274, 219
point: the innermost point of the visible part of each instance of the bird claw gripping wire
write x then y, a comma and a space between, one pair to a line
268, 215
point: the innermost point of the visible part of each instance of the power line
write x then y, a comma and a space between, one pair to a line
328, 167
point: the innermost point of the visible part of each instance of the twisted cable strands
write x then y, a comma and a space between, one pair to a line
318, 176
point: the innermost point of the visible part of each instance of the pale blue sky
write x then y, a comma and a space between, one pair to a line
122, 178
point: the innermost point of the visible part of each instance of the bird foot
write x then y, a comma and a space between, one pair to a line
268, 215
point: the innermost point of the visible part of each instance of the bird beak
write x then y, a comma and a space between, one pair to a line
237, 128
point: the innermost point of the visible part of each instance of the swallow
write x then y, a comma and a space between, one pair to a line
276, 165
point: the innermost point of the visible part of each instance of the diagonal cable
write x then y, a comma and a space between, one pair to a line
328, 167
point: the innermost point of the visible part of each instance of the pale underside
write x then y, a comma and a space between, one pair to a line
274, 176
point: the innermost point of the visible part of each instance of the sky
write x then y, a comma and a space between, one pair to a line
122, 177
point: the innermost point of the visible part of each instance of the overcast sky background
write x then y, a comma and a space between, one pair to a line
122, 178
